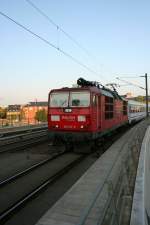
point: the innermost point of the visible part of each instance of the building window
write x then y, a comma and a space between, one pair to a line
109, 108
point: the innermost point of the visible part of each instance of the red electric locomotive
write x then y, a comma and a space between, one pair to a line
84, 114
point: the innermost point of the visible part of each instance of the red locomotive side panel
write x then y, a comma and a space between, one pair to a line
113, 114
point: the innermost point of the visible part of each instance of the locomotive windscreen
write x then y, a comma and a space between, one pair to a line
81, 99
59, 99
70, 99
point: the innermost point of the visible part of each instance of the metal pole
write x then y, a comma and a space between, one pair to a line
146, 87
28, 114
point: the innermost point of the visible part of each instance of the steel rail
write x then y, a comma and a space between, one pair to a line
29, 169
5, 136
15, 138
11, 130
23, 143
8, 212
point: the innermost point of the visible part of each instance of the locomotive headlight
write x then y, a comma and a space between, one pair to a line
81, 118
55, 118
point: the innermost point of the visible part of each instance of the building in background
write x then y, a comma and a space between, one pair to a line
31, 113
35, 112
14, 113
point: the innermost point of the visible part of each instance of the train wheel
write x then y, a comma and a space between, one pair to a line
84, 147
68, 146
99, 147
56, 146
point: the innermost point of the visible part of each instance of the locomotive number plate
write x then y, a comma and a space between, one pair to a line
67, 126
68, 118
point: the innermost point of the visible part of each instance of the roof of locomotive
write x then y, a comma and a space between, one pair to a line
103, 91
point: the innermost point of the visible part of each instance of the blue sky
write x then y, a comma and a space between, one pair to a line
116, 33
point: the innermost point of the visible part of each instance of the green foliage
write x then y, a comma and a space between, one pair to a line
140, 98
2, 113
14, 117
41, 115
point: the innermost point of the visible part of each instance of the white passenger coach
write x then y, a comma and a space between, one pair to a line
136, 111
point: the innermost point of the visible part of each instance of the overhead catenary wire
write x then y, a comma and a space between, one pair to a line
57, 26
130, 77
130, 83
49, 43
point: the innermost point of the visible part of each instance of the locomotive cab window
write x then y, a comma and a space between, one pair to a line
79, 99
109, 107
75, 102
71, 99
59, 99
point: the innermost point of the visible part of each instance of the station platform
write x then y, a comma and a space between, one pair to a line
141, 201
103, 195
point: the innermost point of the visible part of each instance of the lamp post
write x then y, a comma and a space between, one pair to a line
146, 85
146, 90
28, 113
36, 109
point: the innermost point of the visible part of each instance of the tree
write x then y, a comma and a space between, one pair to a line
41, 115
2, 113
140, 98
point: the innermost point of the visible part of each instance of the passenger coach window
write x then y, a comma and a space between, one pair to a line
109, 107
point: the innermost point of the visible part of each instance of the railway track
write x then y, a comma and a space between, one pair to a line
21, 180
6, 132
29, 169
34, 180
23, 140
